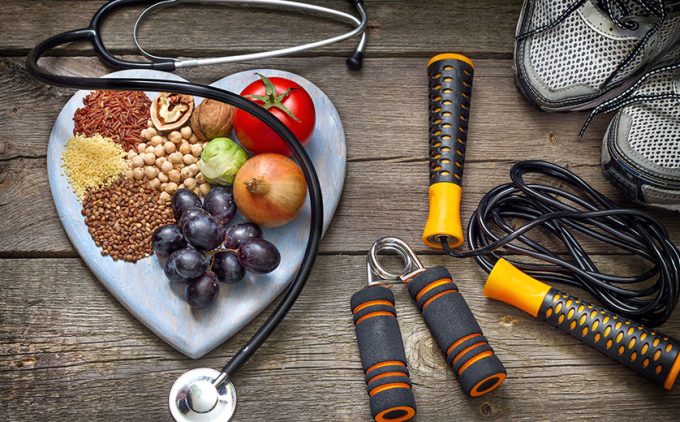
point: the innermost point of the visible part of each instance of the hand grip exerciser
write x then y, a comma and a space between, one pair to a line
446, 314
646, 351
450, 81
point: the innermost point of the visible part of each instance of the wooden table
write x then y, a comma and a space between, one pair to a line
69, 351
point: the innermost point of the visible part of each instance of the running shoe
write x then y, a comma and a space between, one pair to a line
576, 54
641, 148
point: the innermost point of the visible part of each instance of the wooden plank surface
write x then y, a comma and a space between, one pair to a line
57, 350
69, 351
396, 28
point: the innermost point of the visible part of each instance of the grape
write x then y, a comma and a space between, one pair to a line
203, 232
186, 264
220, 204
259, 256
202, 291
167, 239
227, 268
182, 200
239, 233
190, 214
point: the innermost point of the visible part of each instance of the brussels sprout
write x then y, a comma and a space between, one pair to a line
221, 160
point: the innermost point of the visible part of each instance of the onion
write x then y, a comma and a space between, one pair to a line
270, 189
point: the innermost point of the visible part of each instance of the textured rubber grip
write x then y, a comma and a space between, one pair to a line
382, 355
450, 88
457, 332
450, 81
646, 351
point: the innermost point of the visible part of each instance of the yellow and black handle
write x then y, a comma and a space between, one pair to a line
648, 352
382, 355
450, 78
456, 331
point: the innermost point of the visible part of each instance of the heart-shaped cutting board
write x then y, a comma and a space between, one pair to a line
142, 287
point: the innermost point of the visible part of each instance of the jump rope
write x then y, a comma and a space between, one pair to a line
520, 232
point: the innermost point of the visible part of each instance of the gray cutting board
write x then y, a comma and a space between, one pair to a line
142, 287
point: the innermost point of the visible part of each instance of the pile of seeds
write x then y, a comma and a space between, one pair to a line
119, 115
122, 217
168, 162
92, 163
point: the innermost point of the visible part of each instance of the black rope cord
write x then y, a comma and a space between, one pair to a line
648, 297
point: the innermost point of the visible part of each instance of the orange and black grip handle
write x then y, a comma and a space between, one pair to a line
457, 332
450, 80
382, 355
648, 352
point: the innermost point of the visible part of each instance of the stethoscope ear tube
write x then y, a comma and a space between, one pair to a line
134, 84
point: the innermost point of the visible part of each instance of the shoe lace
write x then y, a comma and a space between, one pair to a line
627, 98
657, 9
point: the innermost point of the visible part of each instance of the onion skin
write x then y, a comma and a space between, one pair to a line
270, 190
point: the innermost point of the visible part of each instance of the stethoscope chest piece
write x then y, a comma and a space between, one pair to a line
202, 395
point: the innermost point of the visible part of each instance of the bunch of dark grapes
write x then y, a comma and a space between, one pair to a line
202, 251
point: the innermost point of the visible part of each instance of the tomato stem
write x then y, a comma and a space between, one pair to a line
272, 99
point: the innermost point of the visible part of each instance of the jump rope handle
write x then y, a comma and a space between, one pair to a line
648, 352
457, 332
450, 81
382, 355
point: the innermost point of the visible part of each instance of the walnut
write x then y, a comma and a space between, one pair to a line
212, 119
171, 111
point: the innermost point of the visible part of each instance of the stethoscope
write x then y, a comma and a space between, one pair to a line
206, 394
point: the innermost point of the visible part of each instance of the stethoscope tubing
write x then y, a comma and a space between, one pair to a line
204, 91
359, 24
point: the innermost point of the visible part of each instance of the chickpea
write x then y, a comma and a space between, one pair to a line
159, 151
186, 132
149, 158
138, 173
149, 149
141, 147
152, 132
165, 197
131, 154
185, 148
172, 187
155, 184
166, 167
149, 123
163, 178
204, 188
194, 169
190, 183
174, 176
185, 172
175, 157
163, 186
137, 161
175, 137
160, 161
193, 139
196, 190
150, 172
189, 159
169, 147
196, 150
129, 174
156, 140
200, 178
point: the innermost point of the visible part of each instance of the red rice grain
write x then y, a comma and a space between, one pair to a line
119, 115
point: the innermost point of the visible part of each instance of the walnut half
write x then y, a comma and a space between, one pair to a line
171, 111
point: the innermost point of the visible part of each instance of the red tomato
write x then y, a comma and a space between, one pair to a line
288, 101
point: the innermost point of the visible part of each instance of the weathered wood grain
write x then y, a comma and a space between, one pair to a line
68, 350
409, 27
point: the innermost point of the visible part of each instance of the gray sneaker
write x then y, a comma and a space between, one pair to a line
576, 54
641, 149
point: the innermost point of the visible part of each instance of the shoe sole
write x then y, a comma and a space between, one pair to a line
627, 178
